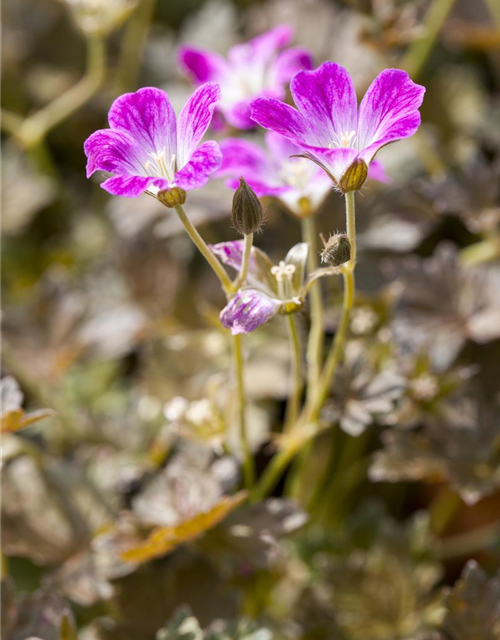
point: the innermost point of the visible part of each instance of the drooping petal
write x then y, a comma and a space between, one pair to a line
388, 111
248, 310
132, 186
377, 172
289, 62
297, 256
280, 117
200, 65
261, 49
204, 161
326, 98
242, 158
148, 117
113, 151
260, 266
230, 253
194, 120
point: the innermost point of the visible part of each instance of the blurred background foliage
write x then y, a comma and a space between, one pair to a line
121, 515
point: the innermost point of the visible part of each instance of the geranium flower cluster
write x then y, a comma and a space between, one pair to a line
324, 142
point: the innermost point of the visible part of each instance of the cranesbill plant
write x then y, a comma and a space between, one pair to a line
260, 67
326, 143
342, 139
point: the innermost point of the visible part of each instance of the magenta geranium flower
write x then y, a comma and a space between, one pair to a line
257, 68
277, 171
329, 127
148, 149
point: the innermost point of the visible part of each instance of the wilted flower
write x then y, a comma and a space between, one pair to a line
272, 288
148, 149
100, 17
256, 68
330, 129
274, 172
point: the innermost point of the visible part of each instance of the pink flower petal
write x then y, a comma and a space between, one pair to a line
289, 62
194, 120
261, 49
248, 310
204, 161
113, 151
132, 186
201, 65
148, 117
334, 161
326, 98
280, 117
281, 148
388, 111
377, 172
242, 158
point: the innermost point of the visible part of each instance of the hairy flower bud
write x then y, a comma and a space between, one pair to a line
172, 197
247, 213
337, 250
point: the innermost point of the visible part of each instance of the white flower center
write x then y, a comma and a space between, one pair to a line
283, 272
296, 173
159, 167
346, 139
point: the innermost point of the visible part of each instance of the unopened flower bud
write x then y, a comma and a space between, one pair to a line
172, 197
337, 250
247, 213
354, 177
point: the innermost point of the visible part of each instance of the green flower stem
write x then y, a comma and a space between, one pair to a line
192, 232
33, 130
273, 472
245, 262
293, 405
248, 462
316, 334
228, 286
307, 422
337, 348
419, 52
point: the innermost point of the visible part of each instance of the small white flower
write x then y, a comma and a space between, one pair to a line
283, 272
425, 387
